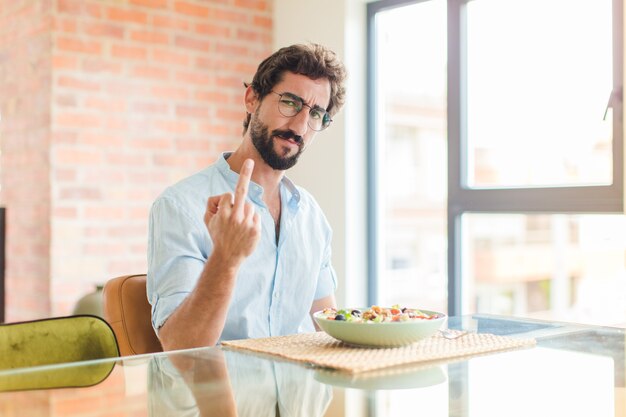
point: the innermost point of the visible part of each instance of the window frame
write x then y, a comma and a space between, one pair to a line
600, 199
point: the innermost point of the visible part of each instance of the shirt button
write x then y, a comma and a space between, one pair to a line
275, 295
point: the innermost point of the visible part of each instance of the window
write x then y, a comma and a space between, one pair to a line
408, 154
496, 156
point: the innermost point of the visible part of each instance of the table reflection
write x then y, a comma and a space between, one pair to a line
228, 383
574, 371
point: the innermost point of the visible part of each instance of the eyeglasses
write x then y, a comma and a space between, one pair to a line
290, 104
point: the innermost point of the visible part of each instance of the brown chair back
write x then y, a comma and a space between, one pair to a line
127, 310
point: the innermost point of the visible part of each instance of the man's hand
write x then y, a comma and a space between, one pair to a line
233, 224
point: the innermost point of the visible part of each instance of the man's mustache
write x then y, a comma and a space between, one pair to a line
288, 134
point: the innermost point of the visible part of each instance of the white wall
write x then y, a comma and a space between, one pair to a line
333, 167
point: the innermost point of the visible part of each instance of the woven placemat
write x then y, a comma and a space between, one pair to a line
322, 350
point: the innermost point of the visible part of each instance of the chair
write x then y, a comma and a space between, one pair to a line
55, 340
127, 310
52, 341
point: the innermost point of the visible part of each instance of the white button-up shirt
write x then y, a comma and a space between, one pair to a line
276, 285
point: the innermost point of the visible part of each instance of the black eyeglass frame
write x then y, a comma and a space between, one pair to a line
326, 119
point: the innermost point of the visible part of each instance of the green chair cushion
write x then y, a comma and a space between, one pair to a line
55, 341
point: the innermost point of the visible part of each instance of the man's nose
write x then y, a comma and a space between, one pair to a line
299, 123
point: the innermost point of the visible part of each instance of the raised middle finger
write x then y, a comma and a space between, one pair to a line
241, 189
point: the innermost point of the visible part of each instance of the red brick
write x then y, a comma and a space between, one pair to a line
127, 15
137, 195
164, 56
253, 36
79, 8
78, 84
170, 160
100, 65
106, 104
191, 9
168, 22
228, 66
145, 71
102, 212
203, 145
149, 36
228, 48
213, 30
234, 82
103, 29
151, 108
69, 6
156, 4
213, 129
263, 22
194, 78
61, 62
226, 114
127, 87
93, 10
122, 268
77, 120
77, 157
109, 175
133, 52
65, 212
101, 140
192, 111
159, 144
116, 123
66, 100
126, 231
65, 175
172, 126
103, 248
215, 97
78, 45
129, 159
80, 193
224, 15
169, 93
188, 42
252, 4
149, 177
67, 25
200, 162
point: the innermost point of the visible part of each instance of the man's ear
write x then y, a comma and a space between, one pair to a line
251, 100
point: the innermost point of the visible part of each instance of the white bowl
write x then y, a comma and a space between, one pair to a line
385, 334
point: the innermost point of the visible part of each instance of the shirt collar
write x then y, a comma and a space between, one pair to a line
255, 191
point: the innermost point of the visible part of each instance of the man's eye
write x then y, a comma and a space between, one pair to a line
316, 114
291, 103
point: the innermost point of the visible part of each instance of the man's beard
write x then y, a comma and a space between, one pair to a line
264, 143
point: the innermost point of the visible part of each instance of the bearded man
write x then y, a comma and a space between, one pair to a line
237, 250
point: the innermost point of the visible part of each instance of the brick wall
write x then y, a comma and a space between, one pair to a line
140, 93
25, 86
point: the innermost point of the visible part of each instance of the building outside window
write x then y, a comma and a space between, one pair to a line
496, 157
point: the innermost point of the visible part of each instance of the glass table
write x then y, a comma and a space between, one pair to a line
575, 370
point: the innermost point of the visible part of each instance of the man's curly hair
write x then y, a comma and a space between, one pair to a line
313, 60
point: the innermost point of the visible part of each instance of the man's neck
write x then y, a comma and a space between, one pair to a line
263, 174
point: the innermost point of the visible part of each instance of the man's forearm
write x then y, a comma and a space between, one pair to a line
200, 319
